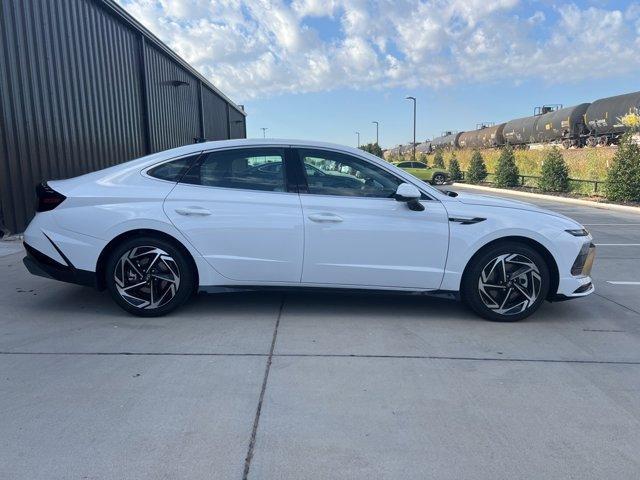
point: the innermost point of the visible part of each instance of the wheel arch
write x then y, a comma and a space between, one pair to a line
106, 251
537, 246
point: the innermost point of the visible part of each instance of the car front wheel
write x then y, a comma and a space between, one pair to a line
149, 276
506, 283
439, 179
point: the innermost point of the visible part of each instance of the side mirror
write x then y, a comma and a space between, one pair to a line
411, 195
407, 192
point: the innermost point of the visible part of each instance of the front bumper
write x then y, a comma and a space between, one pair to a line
579, 283
44, 266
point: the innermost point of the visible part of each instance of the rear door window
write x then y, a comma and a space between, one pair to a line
246, 168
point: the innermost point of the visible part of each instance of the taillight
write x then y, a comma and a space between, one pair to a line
48, 198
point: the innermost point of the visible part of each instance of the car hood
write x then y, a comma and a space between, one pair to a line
490, 201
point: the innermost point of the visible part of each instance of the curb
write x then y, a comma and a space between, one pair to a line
574, 201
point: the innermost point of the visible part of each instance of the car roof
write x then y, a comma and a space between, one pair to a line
193, 148
247, 142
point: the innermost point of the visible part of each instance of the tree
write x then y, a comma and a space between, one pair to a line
372, 148
507, 170
454, 168
477, 169
438, 159
623, 177
424, 159
554, 173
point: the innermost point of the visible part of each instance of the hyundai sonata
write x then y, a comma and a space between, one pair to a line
247, 214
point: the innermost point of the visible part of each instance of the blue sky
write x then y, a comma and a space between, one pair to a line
323, 69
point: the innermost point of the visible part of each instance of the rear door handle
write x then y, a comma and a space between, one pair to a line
325, 218
193, 211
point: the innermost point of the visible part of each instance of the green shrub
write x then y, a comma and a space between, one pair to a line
424, 159
438, 159
372, 148
477, 171
454, 168
554, 173
623, 177
506, 170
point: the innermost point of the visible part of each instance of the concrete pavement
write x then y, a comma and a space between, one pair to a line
356, 386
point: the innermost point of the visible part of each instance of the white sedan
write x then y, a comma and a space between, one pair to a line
246, 214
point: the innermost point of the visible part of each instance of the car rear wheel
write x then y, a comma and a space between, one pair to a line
439, 179
506, 283
149, 276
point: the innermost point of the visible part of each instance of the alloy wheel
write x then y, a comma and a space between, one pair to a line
438, 179
509, 284
147, 277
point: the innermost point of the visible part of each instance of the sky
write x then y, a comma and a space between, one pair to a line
324, 69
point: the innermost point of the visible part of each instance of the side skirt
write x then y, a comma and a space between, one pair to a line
446, 294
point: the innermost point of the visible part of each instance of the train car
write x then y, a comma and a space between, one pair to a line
603, 117
485, 137
392, 152
520, 131
424, 147
565, 126
449, 141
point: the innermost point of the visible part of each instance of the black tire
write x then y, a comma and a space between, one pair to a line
171, 276
439, 179
485, 295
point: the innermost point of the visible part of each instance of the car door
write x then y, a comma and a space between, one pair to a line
357, 234
234, 207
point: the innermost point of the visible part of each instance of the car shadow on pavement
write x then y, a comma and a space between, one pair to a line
71, 299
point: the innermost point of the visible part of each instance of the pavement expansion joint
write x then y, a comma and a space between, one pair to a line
271, 356
256, 420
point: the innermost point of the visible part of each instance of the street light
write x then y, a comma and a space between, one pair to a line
377, 126
414, 126
264, 131
358, 133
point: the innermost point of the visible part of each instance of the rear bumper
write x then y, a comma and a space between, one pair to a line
40, 264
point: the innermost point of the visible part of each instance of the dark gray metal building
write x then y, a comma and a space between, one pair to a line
84, 86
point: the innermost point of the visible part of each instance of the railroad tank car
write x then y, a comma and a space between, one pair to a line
520, 131
392, 152
424, 147
446, 142
565, 125
486, 137
603, 117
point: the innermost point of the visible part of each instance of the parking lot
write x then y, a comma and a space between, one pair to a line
319, 386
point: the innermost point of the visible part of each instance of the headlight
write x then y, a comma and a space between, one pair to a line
578, 232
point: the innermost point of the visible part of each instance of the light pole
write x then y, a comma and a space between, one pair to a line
358, 134
414, 126
377, 126
264, 131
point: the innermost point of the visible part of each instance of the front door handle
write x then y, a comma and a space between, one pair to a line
325, 218
193, 211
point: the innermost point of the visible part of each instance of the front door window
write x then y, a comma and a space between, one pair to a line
330, 173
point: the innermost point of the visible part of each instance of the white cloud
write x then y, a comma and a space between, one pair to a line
254, 48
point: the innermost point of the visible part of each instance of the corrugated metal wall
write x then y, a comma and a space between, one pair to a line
237, 124
174, 103
216, 117
83, 87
